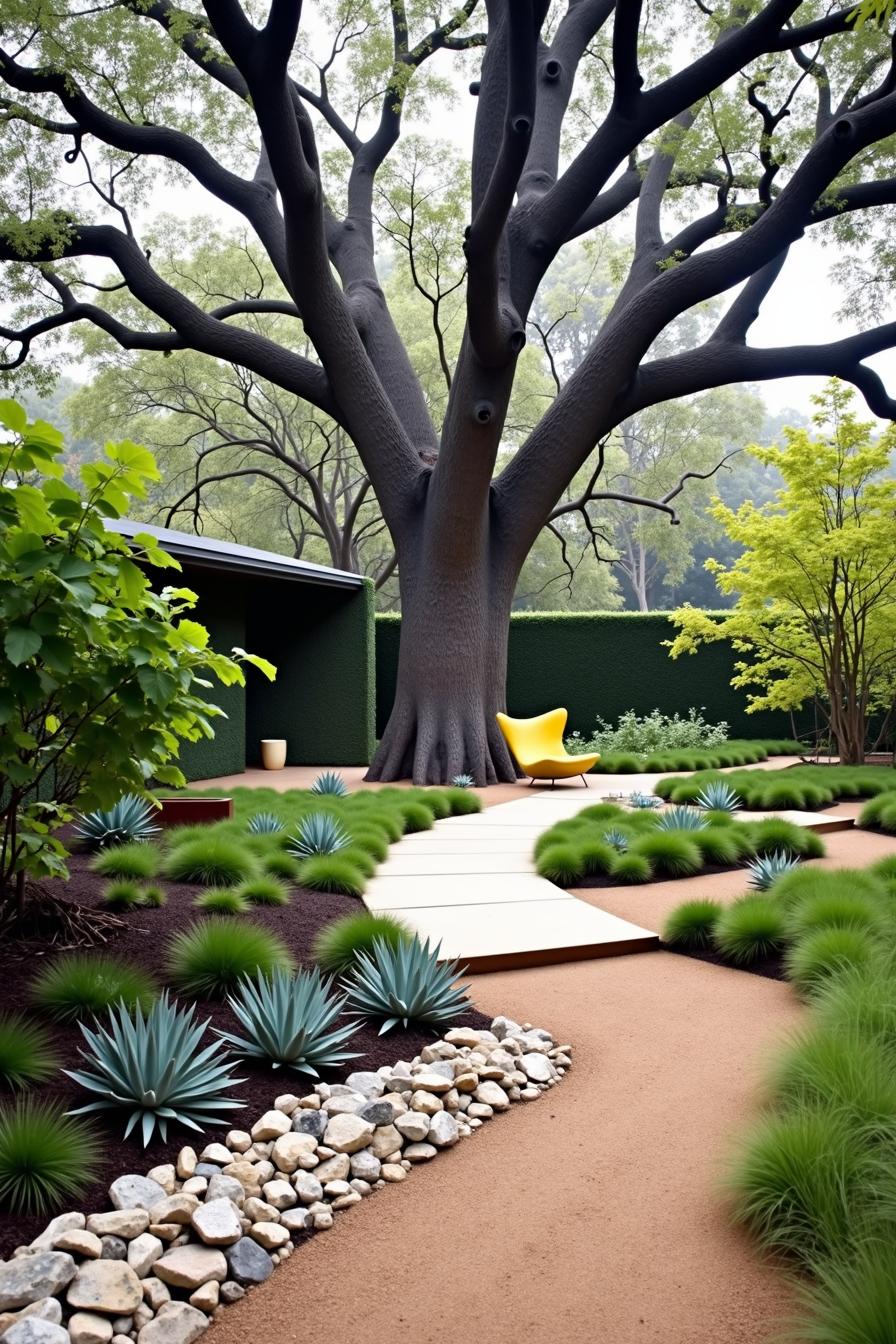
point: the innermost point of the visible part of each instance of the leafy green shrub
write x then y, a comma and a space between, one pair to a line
289, 1020
263, 891
212, 860
338, 943
561, 864
630, 868
650, 733
318, 833
47, 1158
775, 834
405, 982
852, 1073
751, 928
333, 872
670, 853
153, 1066
692, 924
78, 984
26, 1052
462, 802
122, 895
798, 1181
131, 860
223, 901
330, 782
825, 953
131, 819
210, 957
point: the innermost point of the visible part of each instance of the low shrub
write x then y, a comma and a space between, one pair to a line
670, 853
210, 957
333, 872
26, 1052
776, 835
860, 1001
751, 928
78, 984
885, 868
435, 800
391, 822
828, 952
630, 868
803, 787
338, 943
47, 1159
122, 895
692, 924
416, 817
263, 891
222, 900
212, 860
136, 859
654, 732
798, 1181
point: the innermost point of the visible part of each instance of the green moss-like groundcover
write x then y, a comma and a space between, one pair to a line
804, 787
611, 845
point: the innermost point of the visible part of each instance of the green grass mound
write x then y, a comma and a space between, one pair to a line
751, 928
561, 864
211, 957
416, 816
263, 891
27, 1054
597, 857
802, 787
719, 845
852, 1072
84, 984
47, 1158
834, 909
880, 814
154, 897
463, 802
692, 924
861, 1002
212, 860
333, 872
828, 952
278, 864
777, 835
853, 1300
137, 859
631, 869
670, 853
338, 944
122, 895
372, 840
223, 901
799, 1182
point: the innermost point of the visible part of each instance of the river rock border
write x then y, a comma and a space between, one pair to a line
192, 1236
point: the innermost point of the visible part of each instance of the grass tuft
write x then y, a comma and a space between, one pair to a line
122, 894
212, 956
339, 943
630, 869
671, 853
222, 900
333, 872
751, 928
213, 860
692, 924
78, 984
26, 1052
263, 891
818, 956
47, 1158
137, 859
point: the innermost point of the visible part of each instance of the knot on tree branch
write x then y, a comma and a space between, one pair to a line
483, 412
552, 70
843, 128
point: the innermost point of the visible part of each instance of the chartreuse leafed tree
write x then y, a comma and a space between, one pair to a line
726, 132
816, 582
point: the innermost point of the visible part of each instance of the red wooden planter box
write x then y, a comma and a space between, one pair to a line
194, 811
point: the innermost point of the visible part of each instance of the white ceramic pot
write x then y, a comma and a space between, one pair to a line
273, 752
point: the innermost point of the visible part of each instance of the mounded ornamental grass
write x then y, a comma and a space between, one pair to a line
279, 864
263, 891
122, 894
47, 1158
800, 1181
560, 863
138, 859
154, 897
670, 853
751, 928
211, 956
223, 901
692, 924
880, 814
333, 872
463, 802
417, 817
818, 956
733, 753
212, 860
338, 943
597, 857
372, 840
801, 787
835, 909
853, 1300
826, 1065
777, 835
26, 1052
630, 869
84, 984
720, 845
862, 1002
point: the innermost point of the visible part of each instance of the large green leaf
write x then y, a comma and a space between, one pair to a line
21, 643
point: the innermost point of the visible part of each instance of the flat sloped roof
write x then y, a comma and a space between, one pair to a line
209, 553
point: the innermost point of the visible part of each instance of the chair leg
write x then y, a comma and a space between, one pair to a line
531, 781
585, 781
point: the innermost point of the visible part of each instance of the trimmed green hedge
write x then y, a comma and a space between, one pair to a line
602, 663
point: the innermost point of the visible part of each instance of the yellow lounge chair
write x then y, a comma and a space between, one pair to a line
538, 747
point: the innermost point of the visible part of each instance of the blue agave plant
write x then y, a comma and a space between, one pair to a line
644, 800
264, 823
153, 1065
462, 782
765, 869
617, 840
130, 819
406, 983
288, 1020
681, 819
330, 781
717, 796
318, 833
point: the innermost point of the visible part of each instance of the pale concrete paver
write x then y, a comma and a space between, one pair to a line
479, 889
426, 862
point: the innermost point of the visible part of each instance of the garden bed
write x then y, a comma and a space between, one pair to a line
801, 787
141, 943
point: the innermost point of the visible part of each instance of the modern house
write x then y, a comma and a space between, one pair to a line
314, 623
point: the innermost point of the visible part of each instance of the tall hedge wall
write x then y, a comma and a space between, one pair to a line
601, 663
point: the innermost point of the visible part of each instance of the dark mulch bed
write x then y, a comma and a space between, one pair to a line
607, 879
142, 942
771, 967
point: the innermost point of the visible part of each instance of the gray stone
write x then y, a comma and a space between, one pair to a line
537, 1067
310, 1122
414, 1126
47, 1308
231, 1292
64, 1222
155, 1292
206, 1169
377, 1112
296, 1220
108, 1286
419, 1152
114, 1248
224, 1187
191, 1266
176, 1323
122, 1325
434, 1079
135, 1192
31, 1277
85, 1327
280, 1194
368, 1084
259, 1211
124, 1223
490, 1094
34, 1330
248, 1262
365, 1166
217, 1222
308, 1187
143, 1252
334, 1169
348, 1133
503, 1026
442, 1131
